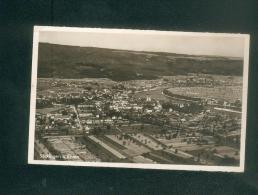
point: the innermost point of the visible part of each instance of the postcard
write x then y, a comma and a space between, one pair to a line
145, 99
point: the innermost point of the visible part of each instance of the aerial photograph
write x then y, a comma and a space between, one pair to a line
139, 98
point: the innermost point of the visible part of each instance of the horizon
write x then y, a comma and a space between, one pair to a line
144, 51
217, 45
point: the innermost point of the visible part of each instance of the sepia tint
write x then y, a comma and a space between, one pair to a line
138, 99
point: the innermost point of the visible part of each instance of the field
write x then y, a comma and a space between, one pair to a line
227, 93
49, 110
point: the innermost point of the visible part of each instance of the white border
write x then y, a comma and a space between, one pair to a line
31, 160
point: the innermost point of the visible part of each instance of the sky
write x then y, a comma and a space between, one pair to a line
219, 45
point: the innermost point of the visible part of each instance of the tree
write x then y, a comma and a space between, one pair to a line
89, 88
238, 103
96, 131
64, 112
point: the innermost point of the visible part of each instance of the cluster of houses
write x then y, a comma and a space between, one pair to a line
78, 109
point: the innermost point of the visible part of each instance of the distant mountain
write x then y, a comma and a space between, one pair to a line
61, 61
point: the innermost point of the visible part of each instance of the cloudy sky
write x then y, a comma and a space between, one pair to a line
219, 45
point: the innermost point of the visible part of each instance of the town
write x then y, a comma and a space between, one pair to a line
184, 119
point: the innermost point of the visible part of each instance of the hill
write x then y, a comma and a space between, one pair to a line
59, 61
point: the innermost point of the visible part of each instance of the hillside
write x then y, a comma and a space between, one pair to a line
61, 61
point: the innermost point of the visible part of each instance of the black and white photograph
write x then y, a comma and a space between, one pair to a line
138, 99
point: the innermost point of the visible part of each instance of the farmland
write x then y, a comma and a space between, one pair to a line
227, 93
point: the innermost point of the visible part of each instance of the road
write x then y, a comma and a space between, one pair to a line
77, 116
